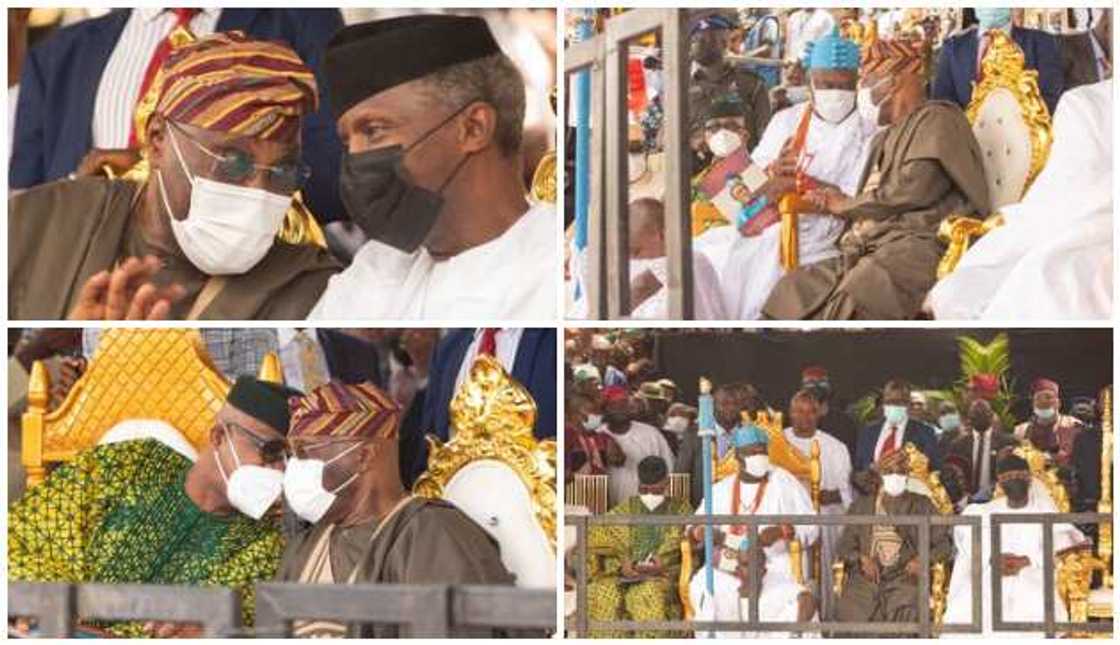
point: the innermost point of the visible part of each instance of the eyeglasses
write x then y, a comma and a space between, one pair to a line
236, 166
271, 450
299, 446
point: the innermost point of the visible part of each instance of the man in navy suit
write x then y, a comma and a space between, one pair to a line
960, 56
61, 76
528, 354
895, 430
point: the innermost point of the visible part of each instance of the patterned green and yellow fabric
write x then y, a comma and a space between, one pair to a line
119, 513
612, 598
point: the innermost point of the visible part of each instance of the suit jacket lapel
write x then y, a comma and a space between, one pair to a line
526, 355
91, 64
239, 19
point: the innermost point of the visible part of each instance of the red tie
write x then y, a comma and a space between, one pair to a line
182, 19
888, 445
488, 344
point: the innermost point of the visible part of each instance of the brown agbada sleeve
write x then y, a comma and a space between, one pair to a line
59, 235
929, 161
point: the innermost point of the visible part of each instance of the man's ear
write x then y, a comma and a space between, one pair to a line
217, 433
155, 149
478, 127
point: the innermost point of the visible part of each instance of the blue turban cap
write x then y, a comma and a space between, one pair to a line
832, 52
749, 435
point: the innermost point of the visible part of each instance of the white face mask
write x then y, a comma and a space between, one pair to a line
1045, 414
833, 105
228, 228
250, 489
303, 486
659, 267
676, 425
724, 142
592, 421
757, 465
894, 484
651, 501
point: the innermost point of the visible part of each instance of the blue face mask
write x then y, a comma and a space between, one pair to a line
993, 18
949, 421
895, 414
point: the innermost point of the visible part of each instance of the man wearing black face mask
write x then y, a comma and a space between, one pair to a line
432, 175
713, 77
1020, 557
978, 450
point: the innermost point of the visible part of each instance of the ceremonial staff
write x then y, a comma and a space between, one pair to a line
707, 433
584, 30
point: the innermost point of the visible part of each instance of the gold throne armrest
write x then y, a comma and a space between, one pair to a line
161, 374
492, 417
1003, 71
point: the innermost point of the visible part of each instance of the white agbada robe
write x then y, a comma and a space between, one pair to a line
1023, 593
777, 602
837, 153
707, 299
643, 440
836, 472
512, 277
1052, 258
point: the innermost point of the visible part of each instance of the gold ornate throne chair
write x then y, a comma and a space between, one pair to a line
1012, 125
806, 468
923, 482
156, 374
497, 473
1099, 601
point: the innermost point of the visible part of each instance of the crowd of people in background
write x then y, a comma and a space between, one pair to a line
861, 114
625, 420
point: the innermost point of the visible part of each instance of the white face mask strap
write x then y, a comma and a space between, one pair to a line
232, 450
178, 153
340, 456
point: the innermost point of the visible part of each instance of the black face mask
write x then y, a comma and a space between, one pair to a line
1016, 489
616, 418
383, 203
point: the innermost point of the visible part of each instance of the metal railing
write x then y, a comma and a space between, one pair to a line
605, 55
924, 626
429, 611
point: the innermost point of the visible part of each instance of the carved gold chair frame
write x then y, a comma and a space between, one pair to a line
1002, 69
162, 374
492, 417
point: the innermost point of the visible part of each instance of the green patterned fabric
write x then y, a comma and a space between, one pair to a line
609, 597
119, 513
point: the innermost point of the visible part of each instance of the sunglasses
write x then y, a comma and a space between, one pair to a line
235, 166
271, 450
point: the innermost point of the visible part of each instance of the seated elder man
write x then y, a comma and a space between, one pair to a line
197, 239
145, 507
923, 166
432, 174
365, 526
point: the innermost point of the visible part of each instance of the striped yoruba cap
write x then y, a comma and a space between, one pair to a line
231, 83
895, 56
338, 410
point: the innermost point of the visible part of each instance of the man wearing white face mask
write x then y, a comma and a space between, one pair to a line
641, 564
760, 488
833, 154
198, 237
344, 478
1047, 428
138, 511
891, 433
882, 559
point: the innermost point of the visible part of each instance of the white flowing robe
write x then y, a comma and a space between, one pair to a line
1052, 259
837, 153
836, 472
784, 495
643, 440
1023, 593
708, 301
512, 277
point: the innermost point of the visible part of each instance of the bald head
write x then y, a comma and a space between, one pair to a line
647, 228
